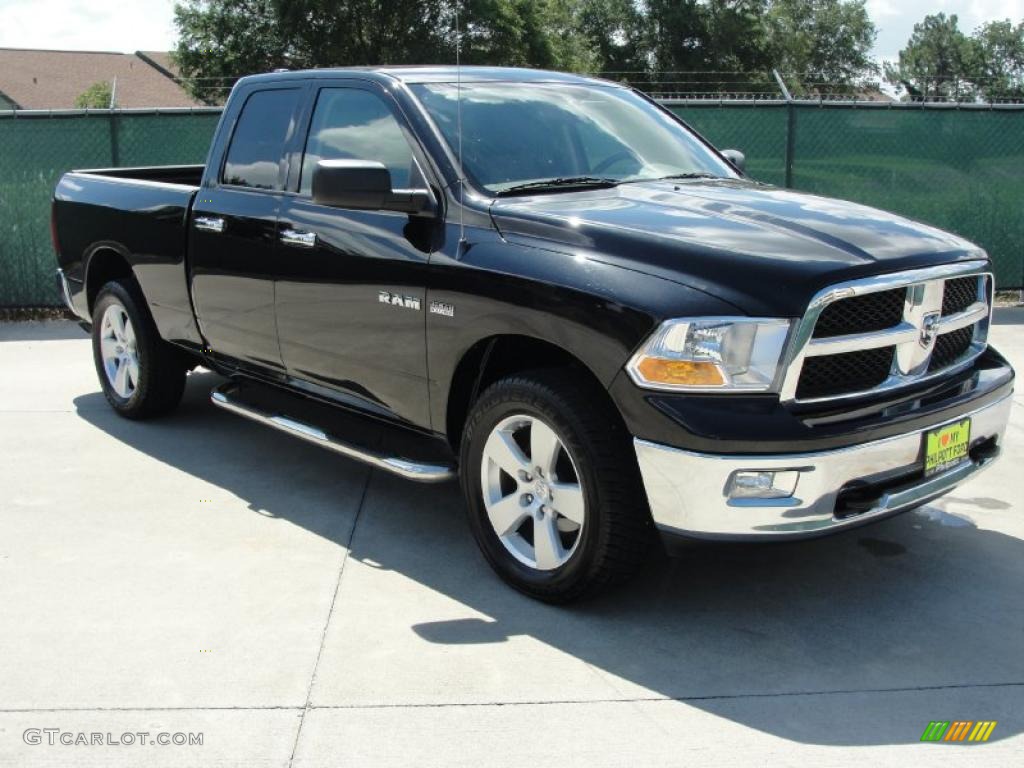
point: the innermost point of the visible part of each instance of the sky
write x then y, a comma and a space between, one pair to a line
895, 19
147, 25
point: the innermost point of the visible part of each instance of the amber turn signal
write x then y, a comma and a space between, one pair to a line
658, 370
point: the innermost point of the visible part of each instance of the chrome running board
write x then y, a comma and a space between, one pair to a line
226, 396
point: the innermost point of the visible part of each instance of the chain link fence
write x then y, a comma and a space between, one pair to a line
957, 167
36, 149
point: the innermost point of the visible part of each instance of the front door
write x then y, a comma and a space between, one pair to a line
233, 233
350, 300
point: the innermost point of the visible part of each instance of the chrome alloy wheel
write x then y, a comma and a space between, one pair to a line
118, 352
532, 492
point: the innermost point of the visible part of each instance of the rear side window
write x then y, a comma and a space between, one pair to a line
349, 123
257, 147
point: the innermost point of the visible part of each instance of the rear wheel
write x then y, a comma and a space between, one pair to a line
142, 376
554, 496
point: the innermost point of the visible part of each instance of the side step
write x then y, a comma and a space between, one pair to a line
228, 396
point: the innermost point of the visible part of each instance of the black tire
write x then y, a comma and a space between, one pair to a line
617, 532
162, 369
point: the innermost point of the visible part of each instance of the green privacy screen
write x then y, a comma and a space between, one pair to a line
35, 151
759, 131
959, 169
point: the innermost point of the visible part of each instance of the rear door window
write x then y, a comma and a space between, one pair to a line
256, 155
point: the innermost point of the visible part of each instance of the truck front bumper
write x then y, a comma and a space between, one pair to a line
693, 495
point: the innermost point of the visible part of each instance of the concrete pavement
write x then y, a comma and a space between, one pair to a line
204, 574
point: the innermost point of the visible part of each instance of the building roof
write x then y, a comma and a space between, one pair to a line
38, 79
161, 60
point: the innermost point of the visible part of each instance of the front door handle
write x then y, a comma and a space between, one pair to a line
294, 237
210, 223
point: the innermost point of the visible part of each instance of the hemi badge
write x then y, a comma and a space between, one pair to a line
440, 308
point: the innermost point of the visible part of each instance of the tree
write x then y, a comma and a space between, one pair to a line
938, 62
999, 60
741, 41
825, 43
637, 40
532, 33
220, 40
707, 36
96, 96
614, 32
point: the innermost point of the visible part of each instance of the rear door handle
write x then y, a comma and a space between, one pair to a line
294, 237
210, 223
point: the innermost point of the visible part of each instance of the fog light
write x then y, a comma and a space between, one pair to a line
762, 484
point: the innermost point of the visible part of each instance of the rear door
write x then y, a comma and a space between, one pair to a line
351, 293
233, 231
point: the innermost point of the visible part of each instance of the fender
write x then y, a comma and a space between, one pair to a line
595, 311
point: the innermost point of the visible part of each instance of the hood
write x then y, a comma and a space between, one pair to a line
765, 250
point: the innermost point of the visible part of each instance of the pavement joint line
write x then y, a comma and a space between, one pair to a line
330, 613
524, 703
609, 684
709, 697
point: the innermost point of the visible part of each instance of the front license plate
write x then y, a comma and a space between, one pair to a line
945, 447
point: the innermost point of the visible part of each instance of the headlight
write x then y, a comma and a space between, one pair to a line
711, 354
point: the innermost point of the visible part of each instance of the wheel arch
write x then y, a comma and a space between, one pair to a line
496, 357
105, 262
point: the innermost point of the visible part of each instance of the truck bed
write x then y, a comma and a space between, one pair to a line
141, 214
186, 175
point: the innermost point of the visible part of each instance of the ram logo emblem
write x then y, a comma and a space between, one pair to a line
399, 300
930, 329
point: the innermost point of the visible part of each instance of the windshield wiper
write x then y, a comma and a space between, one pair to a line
559, 182
691, 175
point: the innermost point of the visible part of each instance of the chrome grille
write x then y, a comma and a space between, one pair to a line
958, 294
861, 314
949, 347
888, 332
829, 375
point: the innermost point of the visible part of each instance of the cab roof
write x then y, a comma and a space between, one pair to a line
433, 74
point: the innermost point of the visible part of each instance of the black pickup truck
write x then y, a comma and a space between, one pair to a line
553, 288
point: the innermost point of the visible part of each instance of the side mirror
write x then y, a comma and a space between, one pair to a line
365, 185
737, 158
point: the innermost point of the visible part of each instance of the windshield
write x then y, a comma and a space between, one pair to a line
519, 133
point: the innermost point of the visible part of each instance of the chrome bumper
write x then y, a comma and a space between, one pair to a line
65, 290
71, 290
688, 491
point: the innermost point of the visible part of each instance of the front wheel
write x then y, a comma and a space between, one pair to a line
142, 375
554, 495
